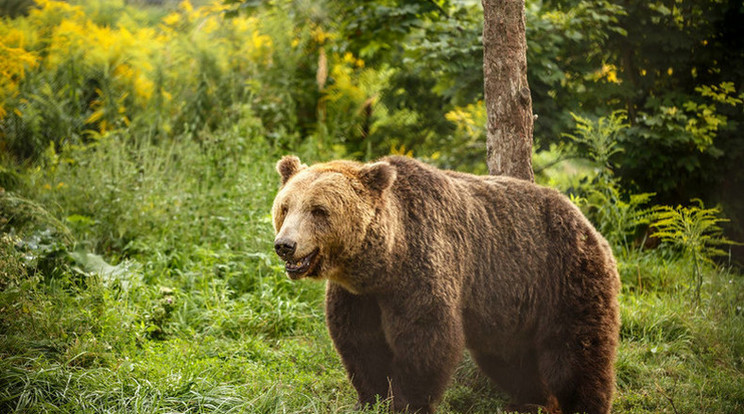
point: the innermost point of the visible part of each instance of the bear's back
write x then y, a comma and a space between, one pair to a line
512, 244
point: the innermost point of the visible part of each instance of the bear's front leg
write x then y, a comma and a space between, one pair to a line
427, 342
355, 327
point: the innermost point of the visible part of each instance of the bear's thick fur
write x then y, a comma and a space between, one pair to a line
423, 263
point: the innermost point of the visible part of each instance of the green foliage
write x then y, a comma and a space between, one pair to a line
694, 229
375, 28
567, 68
683, 138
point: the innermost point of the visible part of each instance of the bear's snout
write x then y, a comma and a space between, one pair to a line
285, 248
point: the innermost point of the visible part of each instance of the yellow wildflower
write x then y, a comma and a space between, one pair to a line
186, 6
210, 25
319, 35
607, 72
143, 88
14, 60
172, 19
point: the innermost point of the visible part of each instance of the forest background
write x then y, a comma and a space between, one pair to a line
137, 144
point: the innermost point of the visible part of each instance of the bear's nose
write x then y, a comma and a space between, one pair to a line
285, 248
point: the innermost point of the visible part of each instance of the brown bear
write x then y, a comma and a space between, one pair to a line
422, 263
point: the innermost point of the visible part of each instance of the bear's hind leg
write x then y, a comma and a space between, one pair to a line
581, 376
518, 377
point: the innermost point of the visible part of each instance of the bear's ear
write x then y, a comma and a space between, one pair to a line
377, 176
288, 166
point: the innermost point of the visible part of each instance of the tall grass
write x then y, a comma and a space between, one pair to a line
191, 305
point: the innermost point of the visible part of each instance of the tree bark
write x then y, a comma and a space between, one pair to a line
507, 94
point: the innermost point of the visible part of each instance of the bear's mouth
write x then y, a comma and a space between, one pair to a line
302, 267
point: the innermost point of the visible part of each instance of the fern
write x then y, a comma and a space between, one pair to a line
618, 218
598, 139
695, 230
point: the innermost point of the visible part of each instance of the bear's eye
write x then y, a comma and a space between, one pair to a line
283, 210
319, 212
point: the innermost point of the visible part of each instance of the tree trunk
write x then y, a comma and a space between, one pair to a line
507, 94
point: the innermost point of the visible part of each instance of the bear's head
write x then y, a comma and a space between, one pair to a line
322, 213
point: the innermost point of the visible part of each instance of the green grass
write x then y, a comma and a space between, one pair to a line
138, 277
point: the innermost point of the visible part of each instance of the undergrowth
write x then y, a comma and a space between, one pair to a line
140, 279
